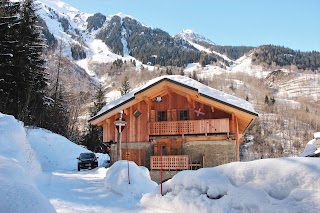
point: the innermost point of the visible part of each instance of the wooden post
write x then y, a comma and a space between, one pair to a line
161, 170
119, 146
119, 123
237, 139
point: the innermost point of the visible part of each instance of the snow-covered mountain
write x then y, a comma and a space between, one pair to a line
190, 35
91, 39
102, 48
201, 43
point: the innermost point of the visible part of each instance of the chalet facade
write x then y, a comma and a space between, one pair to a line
177, 123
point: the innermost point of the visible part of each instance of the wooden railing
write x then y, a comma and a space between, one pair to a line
169, 162
189, 127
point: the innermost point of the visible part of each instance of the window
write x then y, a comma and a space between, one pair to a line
162, 115
183, 115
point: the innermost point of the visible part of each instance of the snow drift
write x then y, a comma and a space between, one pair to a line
117, 179
56, 152
18, 170
269, 185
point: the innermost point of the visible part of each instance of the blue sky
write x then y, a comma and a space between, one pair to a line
291, 23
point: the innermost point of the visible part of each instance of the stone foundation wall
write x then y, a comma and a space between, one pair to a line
215, 152
146, 146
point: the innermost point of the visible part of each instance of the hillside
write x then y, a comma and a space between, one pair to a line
106, 48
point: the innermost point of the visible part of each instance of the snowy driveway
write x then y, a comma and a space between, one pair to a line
84, 191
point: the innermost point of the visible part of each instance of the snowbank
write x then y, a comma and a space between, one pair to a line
14, 144
268, 185
54, 151
18, 169
117, 179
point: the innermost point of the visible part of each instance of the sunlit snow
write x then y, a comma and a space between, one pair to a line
38, 174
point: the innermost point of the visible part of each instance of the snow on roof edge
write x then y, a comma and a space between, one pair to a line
190, 83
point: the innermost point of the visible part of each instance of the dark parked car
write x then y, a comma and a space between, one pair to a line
87, 161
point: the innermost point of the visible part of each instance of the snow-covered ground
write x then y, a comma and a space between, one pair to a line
38, 174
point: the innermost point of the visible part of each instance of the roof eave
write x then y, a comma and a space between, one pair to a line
231, 105
111, 109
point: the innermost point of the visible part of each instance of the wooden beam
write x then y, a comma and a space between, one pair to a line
208, 138
100, 123
169, 91
237, 139
190, 101
212, 108
106, 131
148, 101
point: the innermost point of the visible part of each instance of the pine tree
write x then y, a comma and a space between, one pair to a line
57, 117
24, 78
266, 100
9, 25
194, 76
181, 72
273, 100
30, 65
125, 86
94, 137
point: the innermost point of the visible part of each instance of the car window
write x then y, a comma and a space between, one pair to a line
87, 155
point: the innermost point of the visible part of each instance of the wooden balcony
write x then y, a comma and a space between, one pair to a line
189, 127
169, 162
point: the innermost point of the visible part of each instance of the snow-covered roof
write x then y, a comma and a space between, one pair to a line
190, 83
312, 146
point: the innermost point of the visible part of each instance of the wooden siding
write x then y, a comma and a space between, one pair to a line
136, 155
140, 128
189, 127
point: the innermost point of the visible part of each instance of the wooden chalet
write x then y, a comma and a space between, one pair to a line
177, 123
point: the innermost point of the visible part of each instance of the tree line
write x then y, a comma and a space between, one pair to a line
23, 79
28, 88
272, 55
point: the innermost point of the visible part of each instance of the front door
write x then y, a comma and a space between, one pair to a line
136, 155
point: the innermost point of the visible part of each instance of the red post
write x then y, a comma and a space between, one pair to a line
128, 171
161, 170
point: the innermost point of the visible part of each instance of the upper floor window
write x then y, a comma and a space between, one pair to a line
183, 115
162, 115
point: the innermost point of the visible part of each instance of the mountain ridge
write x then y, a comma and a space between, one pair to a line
128, 39
129, 48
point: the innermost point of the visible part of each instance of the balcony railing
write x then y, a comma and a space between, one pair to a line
169, 162
189, 127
